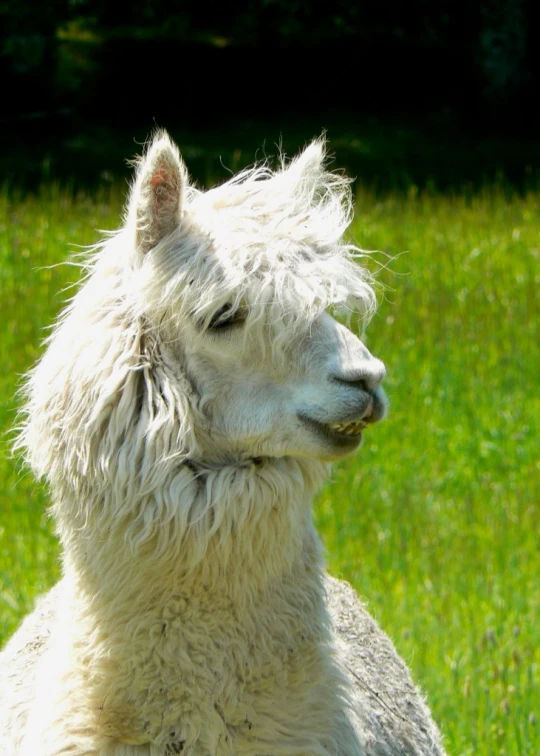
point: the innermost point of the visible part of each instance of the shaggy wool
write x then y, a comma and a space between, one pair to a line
188, 406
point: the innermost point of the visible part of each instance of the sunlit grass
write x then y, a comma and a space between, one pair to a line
436, 520
35, 235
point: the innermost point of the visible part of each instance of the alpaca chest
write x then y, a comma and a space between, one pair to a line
215, 681
203, 659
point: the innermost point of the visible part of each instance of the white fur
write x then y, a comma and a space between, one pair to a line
182, 459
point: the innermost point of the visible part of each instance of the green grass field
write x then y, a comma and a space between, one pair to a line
435, 521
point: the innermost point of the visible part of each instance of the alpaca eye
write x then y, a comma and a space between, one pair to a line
226, 317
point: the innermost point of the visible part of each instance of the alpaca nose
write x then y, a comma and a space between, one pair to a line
367, 378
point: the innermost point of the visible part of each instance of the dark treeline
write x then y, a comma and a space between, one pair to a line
479, 60
463, 68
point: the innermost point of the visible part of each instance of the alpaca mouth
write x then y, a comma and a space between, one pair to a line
349, 429
347, 433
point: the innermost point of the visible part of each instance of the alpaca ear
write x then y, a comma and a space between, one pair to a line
310, 163
303, 174
157, 198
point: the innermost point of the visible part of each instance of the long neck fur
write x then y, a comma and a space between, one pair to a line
183, 577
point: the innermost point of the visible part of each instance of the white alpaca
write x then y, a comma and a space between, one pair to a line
184, 413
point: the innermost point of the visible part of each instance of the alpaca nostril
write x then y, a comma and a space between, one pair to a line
357, 383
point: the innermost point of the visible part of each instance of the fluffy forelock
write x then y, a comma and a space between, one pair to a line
266, 240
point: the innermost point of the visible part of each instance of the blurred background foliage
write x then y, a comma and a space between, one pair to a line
409, 92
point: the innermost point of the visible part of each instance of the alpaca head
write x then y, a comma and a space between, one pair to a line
238, 282
205, 332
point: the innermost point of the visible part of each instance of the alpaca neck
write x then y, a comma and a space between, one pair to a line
163, 611
233, 529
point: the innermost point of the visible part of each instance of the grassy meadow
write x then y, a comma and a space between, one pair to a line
435, 521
